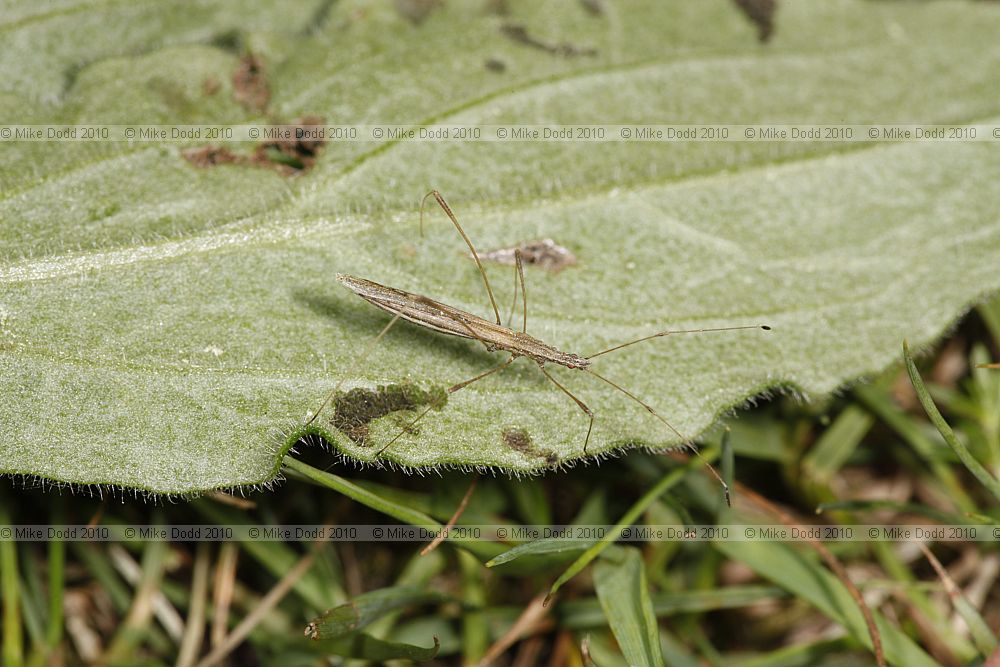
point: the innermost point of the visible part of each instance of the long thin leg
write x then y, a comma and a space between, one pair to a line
451, 390
513, 304
519, 274
524, 290
579, 403
350, 370
468, 242
686, 442
683, 331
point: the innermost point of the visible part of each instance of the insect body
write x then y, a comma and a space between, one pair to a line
437, 316
456, 322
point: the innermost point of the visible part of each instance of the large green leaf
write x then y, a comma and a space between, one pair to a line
169, 327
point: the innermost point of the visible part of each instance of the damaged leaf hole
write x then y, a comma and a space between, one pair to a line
354, 410
519, 440
288, 156
250, 86
287, 152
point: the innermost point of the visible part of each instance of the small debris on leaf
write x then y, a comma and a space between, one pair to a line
545, 254
519, 33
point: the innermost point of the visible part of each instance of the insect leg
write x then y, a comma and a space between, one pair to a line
357, 361
475, 255
451, 390
524, 290
519, 273
580, 404
685, 442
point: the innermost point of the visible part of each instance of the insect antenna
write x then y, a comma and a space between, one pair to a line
475, 255
679, 331
685, 441
350, 370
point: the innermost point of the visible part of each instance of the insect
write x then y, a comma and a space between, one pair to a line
494, 335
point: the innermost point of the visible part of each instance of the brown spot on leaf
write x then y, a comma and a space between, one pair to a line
519, 33
210, 86
416, 11
295, 151
546, 254
761, 12
250, 87
593, 7
355, 409
518, 439
495, 65
211, 156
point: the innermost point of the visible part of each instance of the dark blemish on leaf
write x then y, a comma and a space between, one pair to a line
519, 33
355, 409
546, 254
495, 65
295, 153
761, 12
518, 439
287, 155
250, 87
210, 86
416, 11
211, 156
230, 40
593, 7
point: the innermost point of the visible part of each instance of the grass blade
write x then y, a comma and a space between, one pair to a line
13, 641
984, 638
808, 580
973, 466
365, 647
587, 613
365, 609
542, 547
624, 595
627, 520
380, 504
